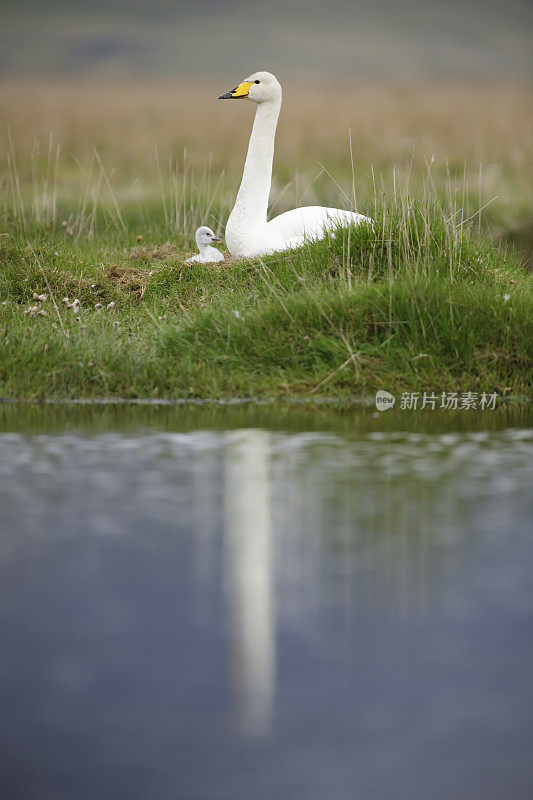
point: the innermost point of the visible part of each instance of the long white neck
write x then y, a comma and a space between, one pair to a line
254, 191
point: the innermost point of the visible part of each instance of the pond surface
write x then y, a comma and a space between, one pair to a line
245, 604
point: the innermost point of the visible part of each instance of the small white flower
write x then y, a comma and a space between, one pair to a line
110, 305
237, 314
116, 324
506, 297
98, 306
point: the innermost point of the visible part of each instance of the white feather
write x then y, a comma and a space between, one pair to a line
208, 254
247, 232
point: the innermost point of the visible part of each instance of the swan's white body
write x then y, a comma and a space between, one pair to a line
207, 254
247, 231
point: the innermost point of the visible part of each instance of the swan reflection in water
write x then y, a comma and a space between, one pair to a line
248, 572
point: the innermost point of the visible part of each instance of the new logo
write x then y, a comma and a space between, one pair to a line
384, 400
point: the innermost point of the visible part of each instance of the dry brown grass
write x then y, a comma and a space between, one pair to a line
480, 135
482, 123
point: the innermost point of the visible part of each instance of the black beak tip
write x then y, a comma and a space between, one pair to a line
226, 96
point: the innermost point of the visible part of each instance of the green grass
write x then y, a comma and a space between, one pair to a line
416, 303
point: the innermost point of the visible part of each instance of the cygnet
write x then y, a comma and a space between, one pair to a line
207, 254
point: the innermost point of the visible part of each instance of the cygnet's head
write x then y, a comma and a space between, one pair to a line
204, 236
260, 87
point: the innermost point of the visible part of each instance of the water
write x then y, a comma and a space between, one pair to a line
254, 603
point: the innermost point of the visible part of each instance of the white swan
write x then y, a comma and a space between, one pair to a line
207, 254
247, 232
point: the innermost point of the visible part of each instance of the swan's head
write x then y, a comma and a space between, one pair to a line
259, 87
205, 235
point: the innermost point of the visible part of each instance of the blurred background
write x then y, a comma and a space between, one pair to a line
340, 40
436, 90
437, 85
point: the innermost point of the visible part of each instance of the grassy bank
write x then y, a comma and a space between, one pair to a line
433, 298
419, 302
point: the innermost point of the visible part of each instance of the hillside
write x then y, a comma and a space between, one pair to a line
381, 39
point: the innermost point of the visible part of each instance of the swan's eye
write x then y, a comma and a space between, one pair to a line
257, 81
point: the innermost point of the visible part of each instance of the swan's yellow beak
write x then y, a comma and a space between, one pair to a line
239, 92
